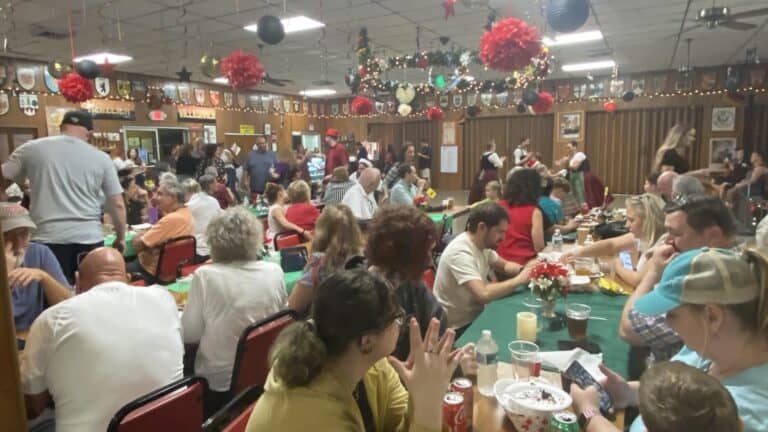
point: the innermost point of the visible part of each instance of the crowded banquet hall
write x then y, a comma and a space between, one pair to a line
384, 215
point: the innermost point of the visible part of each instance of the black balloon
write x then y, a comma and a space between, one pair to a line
473, 111
521, 108
500, 86
59, 68
87, 69
566, 16
270, 29
530, 97
629, 96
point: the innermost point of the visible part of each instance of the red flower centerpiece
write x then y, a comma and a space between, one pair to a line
510, 45
549, 280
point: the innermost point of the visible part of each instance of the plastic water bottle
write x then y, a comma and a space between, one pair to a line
557, 241
487, 353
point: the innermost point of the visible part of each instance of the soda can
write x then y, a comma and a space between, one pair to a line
454, 419
564, 421
464, 386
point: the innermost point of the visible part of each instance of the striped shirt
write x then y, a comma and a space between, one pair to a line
334, 192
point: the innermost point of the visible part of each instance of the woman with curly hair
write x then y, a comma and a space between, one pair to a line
525, 232
337, 239
399, 249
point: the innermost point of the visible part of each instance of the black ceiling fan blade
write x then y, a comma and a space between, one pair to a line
691, 28
748, 14
274, 82
737, 25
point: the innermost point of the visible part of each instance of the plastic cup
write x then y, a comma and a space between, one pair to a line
576, 318
525, 358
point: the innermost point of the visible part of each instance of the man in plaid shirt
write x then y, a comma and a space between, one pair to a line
691, 222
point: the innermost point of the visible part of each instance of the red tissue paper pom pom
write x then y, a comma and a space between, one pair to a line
435, 113
609, 106
544, 103
75, 88
361, 105
509, 45
243, 70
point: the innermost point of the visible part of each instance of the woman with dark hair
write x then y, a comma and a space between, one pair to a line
133, 156
399, 249
277, 222
186, 164
524, 238
489, 171
330, 373
136, 198
211, 158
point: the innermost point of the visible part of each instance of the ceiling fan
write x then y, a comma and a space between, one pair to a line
277, 82
323, 81
721, 16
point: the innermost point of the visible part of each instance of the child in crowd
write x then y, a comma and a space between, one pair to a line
492, 193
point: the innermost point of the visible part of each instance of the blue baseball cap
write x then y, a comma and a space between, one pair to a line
701, 276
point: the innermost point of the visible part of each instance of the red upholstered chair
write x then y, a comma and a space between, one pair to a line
176, 407
233, 417
287, 239
429, 278
251, 358
189, 269
174, 254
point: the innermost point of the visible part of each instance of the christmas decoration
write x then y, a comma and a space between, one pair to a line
184, 74
270, 29
361, 105
609, 106
405, 93
530, 97
566, 16
473, 111
243, 70
87, 69
209, 65
58, 68
435, 113
510, 45
629, 96
404, 109
75, 88
543, 103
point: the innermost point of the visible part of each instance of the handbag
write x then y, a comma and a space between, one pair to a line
293, 259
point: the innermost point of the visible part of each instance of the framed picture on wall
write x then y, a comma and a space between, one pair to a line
720, 151
723, 119
267, 129
209, 133
570, 126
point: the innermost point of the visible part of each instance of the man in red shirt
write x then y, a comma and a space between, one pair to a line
336, 155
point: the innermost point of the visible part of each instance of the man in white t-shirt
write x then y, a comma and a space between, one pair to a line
462, 282
203, 207
359, 198
101, 349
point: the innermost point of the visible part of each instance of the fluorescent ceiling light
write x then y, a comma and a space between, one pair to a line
318, 92
576, 67
99, 58
572, 38
293, 24
221, 80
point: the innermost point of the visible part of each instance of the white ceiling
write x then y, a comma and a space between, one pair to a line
164, 35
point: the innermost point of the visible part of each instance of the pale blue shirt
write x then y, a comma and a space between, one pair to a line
403, 193
749, 389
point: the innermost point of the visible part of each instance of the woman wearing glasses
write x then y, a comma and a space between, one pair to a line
645, 222
331, 373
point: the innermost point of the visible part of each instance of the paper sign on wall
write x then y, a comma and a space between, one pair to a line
449, 133
247, 129
449, 159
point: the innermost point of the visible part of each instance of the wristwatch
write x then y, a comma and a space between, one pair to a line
586, 416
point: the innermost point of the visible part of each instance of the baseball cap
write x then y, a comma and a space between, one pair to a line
78, 118
701, 276
332, 132
14, 216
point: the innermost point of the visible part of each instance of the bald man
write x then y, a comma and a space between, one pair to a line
359, 198
101, 349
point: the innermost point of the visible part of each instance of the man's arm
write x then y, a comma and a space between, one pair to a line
485, 293
115, 208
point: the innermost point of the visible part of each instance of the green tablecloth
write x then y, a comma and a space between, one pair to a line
258, 212
183, 285
437, 217
129, 252
500, 317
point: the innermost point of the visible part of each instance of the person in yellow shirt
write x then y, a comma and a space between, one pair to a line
331, 373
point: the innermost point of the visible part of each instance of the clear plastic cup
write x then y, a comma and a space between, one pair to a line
525, 358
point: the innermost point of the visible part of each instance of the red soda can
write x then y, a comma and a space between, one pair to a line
454, 419
464, 386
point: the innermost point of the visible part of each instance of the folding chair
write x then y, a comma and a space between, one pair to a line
286, 239
233, 417
174, 254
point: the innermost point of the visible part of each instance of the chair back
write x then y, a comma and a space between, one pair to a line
161, 410
251, 358
233, 417
174, 254
428, 277
286, 239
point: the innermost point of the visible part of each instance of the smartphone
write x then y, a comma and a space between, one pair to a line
590, 347
577, 374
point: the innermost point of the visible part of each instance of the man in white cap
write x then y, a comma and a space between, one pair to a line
69, 180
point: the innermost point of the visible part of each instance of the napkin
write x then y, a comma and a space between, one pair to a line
561, 360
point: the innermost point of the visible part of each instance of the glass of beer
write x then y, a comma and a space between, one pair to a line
576, 317
583, 266
581, 234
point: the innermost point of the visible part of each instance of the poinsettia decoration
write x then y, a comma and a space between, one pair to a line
510, 45
361, 105
243, 70
543, 103
549, 280
435, 113
75, 88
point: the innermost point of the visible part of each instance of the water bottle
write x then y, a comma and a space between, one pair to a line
487, 353
592, 261
557, 241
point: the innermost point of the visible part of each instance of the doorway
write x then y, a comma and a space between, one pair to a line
154, 144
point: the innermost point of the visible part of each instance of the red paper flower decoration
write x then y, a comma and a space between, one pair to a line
361, 105
75, 88
509, 45
609, 106
435, 113
544, 103
243, 70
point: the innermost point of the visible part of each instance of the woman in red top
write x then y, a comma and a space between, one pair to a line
301, 211
525, 233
